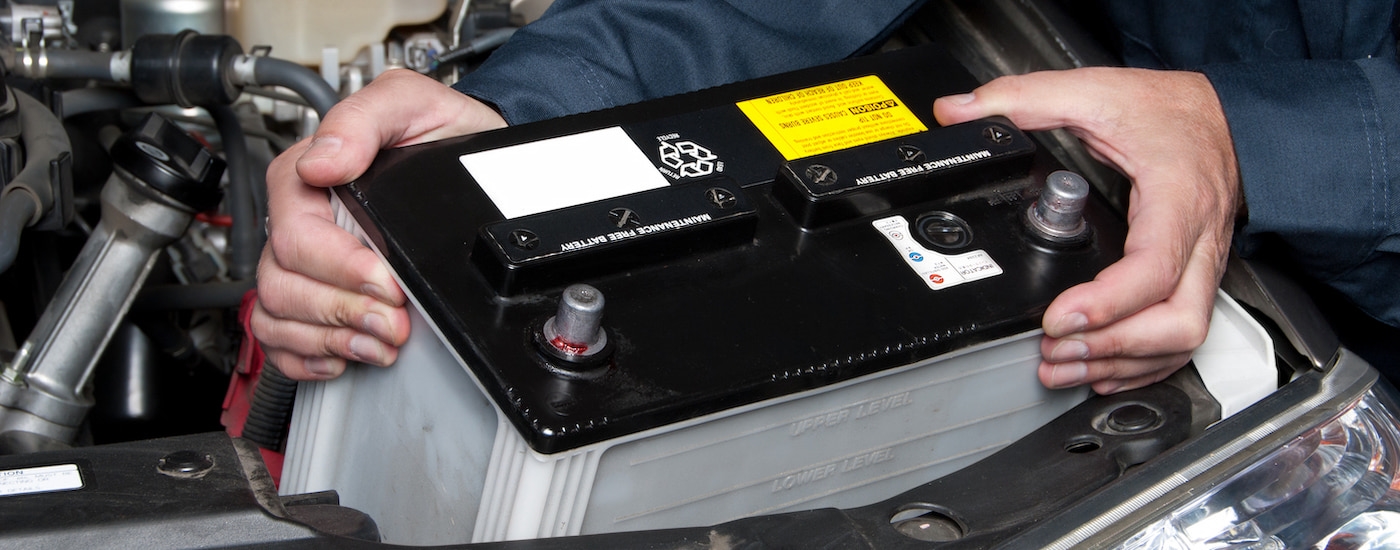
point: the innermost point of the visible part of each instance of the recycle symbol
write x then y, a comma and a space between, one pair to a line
688, 158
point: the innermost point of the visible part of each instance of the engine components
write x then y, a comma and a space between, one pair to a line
163, 177
41, 193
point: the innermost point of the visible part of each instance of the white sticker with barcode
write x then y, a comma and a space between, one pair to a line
42, 479
936, 270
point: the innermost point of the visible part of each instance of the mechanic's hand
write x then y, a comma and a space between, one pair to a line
323, 297
1140, 318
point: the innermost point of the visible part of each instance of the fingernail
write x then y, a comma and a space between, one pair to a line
960, 99
1064, 375
378, 325
1069, 350
323, 147
1108, 387
367, 349
322, 366
378, 292
1069, 323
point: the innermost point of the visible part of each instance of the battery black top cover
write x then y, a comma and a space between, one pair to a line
751, 241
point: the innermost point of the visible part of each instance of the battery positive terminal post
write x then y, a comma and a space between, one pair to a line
574, 338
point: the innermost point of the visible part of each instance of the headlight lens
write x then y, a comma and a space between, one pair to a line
1333, 487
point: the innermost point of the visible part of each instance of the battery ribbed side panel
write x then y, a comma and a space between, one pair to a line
529, 495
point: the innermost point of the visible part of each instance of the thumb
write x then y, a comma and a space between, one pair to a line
1034, 101
326, 162
1090, 103
377, 117
955, 109
355, 130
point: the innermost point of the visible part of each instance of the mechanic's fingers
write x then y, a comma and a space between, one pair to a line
1047, 100
399, 107
1167, 328
318, 341
1152, 266
1111, 375
1163, 129
1141, 348
303, 238
1137, 321
1034, 101
327, 253
297, 367
291, 296
314, 278
1165, 257
1119, 113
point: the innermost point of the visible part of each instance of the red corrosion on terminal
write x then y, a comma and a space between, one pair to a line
569, 348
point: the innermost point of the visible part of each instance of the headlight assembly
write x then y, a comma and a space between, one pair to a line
1315, 465
1331, 487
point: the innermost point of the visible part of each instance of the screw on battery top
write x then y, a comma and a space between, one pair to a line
576, 330
1058, 215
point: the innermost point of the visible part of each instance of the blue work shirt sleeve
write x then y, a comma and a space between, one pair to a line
585, 55
1317, 143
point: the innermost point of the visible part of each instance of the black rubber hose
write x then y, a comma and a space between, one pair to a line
78, 64
270, 71
44, 140
88, 100
30, 193
246, 236
260, 153
16, 209
480, 45
270, 411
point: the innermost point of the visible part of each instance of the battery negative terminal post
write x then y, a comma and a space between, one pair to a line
1058, 215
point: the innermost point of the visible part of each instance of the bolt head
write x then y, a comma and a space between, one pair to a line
185, 464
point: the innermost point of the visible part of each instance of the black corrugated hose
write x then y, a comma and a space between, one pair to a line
270, 412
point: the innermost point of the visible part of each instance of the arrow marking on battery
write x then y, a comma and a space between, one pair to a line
821, 174
721, 197
624, 217
524, 238
997, 135
910, 153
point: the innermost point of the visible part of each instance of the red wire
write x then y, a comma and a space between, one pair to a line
220, 220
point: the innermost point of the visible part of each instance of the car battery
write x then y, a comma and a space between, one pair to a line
781, 294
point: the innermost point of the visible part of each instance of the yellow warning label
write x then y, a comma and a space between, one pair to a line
835, 116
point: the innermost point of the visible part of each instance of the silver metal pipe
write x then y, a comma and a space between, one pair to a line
44, 389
